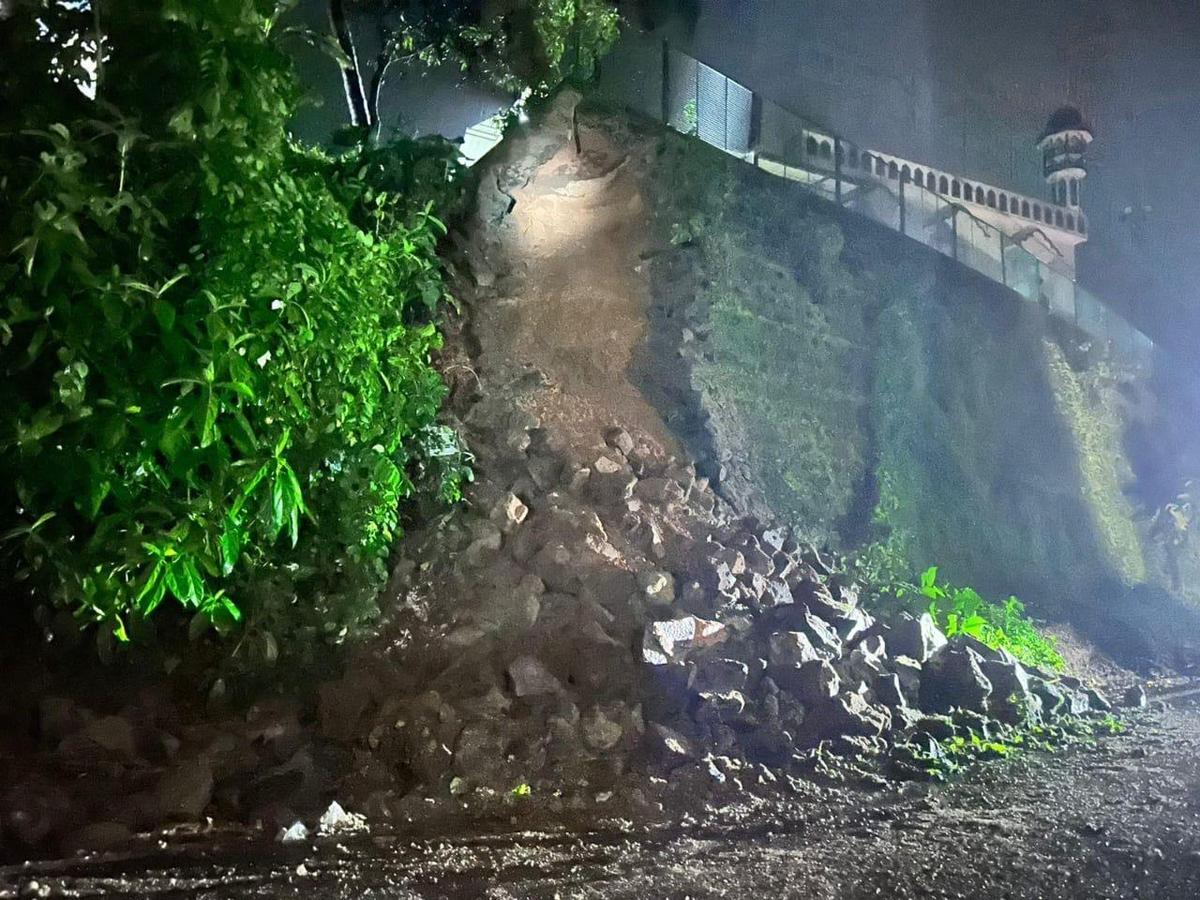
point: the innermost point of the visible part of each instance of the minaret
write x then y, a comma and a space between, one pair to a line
1064, 142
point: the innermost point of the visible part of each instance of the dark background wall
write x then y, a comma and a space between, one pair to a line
968, 86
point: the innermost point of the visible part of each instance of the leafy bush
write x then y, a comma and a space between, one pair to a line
216, 344
960, 610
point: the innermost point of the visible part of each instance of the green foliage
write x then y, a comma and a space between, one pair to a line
216, 343
1090, 402
573, 35
960, 610
691, 118
518, 45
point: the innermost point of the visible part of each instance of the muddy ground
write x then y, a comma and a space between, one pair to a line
1116, 820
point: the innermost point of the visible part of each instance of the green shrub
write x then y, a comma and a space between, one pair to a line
216, 344
960, 610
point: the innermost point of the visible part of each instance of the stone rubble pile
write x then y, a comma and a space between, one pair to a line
599, 617
588, 625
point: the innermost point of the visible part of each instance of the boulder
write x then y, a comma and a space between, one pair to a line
953, 677
510, 512
184, 791
668, 641
481, 751
601, 729
1134, 697
1013, 700
916, 638
721, 674
790, 649
669, 746
888, 691
529, 678
813, 682
611, 481
619, 439
853, 625
908, 670
657, 587
819, 599
97, 837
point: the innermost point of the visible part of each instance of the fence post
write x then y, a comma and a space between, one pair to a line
666, 82
954, 231
903, 220
1003, 262
837, 170
725, 146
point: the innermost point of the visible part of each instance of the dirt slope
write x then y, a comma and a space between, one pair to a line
573, 305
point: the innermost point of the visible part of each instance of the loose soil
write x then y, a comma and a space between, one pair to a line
572, 303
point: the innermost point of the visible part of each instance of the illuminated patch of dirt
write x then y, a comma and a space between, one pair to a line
571, 301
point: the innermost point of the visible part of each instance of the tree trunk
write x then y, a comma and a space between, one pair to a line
356, 100
381, 67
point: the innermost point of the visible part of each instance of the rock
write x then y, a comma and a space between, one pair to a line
341, 705
774, 594
1098, 701
658, 490
820, 600
600, 732
184, 791
544, 471
770, 742
722, 675
59, 717
669, 746
96, 837
31, 813
1013, 700
940, 728
620, 439
657, 587
113, 734
336, 822
853, 625
916, 638
1134, 697
790, 649
668, 641
611, 482
481, 751
530, 678
509, 513
296, 833
822, 635
908, 670
724, 707
758, 562
852, 715
1054, 701
953, 677
813, 682
556, 566
775, 537
733, 560
888, 691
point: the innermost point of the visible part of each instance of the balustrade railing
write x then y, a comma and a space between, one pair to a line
651, 78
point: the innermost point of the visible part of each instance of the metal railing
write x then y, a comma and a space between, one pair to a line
648, 76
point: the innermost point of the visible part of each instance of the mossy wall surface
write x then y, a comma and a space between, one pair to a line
868, 389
